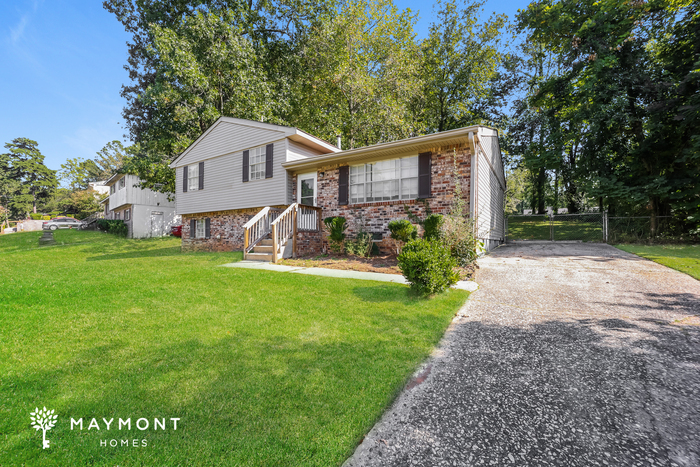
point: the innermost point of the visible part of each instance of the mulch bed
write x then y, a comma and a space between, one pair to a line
387, 264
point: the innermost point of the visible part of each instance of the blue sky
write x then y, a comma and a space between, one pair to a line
63, 70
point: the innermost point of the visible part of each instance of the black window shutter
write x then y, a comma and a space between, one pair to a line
268, 160
343, 178
424, 175
246, 170
193, 228
201, 175
207, 228
184, 179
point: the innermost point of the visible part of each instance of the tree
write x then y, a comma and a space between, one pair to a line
460, 63
77, 173
26, 166
111, 158
361, 75
82, 203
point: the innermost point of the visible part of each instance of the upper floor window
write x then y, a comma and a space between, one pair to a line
122, 182
384, 180
193, 177
257, 163
112, 189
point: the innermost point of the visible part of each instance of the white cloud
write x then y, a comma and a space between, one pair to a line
17, 32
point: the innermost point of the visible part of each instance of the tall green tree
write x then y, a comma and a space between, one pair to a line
36, 182
461, 58
613, 78
360, 75
77, 172
111, 158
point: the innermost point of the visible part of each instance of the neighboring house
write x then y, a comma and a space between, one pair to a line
100, 187
146, 213
235, 180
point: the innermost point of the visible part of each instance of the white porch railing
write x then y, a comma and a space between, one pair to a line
258, 227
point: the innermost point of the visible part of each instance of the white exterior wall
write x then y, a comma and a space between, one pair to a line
489, 189
221, 150
146, 222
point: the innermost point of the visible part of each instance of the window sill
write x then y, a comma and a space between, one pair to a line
383, 203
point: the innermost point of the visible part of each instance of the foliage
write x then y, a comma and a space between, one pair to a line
82, 203
335, 226
361, 245
77, 173
432, 226
369, 334
458, 235
618, 111
460, 61
114, 226
35, 182
402, 232
428, 266
361, 75
152, 170
35, 216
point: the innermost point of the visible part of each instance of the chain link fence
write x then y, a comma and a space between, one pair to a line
587, 227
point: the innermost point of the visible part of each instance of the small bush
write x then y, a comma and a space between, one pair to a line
428, 266
402, 232
431, 226
457, 234
35, 216
361, 245
335, 226
113, 226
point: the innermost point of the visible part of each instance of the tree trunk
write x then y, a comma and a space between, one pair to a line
541, 177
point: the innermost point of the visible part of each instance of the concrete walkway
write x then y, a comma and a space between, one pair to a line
567, 355
343, 274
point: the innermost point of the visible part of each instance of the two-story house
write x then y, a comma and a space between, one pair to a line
244, 183
146, 213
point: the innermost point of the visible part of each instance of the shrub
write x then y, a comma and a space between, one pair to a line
113, 226
402, 232
431, 226
335, 226
428, 266
35, 216
361, 246
457, 234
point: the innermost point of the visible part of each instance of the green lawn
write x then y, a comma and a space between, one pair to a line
684, 258
262, 368
538, 228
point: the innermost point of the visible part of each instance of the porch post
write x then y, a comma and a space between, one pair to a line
274, 243
294, 235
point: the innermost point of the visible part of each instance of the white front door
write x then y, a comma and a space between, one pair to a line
157, 224
306, 189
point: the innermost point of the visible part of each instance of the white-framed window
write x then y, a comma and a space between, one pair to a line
201, 229
122, 182
112, 189
257, 163
127, 214
118, 215
193, 177
388, 180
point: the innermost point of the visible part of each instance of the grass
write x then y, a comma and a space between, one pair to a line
684, 258
538, 228
262, 368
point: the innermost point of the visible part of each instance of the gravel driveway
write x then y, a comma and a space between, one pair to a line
568, 354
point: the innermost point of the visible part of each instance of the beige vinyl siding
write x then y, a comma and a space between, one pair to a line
490, 185
224, 187
298, 151
227, 138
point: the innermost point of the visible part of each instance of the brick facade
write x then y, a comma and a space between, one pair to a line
227, 226
376, 216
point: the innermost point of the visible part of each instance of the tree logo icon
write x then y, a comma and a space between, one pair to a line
43, 420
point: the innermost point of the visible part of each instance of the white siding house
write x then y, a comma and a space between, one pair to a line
146, 213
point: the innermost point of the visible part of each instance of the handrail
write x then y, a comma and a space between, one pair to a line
257, 217
283, 228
